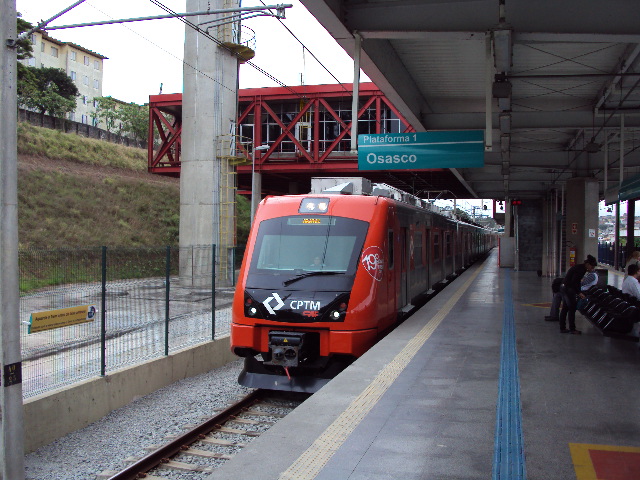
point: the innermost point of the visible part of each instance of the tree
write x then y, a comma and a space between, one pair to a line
48, 90
24, 50
107, 110
24, 47
462, 215
135, 120
47, 100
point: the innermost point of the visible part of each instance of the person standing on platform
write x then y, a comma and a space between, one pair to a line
630, 284
570, 289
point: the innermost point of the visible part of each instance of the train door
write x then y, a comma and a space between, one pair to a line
436, 257
427, 254
404, 266
391, 282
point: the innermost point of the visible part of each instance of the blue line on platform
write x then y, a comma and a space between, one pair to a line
508, 458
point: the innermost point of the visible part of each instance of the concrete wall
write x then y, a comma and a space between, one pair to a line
53, 415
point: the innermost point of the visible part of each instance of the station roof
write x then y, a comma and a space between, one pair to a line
555, 78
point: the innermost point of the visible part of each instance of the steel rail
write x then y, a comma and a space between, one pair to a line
157, 457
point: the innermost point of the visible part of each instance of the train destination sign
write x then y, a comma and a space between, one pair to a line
421, 150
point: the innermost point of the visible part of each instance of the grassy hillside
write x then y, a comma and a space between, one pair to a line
79, 192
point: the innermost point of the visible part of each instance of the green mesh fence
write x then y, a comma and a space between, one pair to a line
153, 301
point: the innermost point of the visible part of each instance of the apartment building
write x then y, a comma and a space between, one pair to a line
83, 66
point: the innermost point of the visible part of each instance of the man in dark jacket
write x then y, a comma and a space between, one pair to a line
570, 289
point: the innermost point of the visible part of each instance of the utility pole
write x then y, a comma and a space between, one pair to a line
12, 417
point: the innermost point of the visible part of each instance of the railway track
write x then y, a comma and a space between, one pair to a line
204, 447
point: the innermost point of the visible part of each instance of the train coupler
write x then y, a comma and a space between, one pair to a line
286, 348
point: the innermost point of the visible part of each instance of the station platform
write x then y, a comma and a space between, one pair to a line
475, 385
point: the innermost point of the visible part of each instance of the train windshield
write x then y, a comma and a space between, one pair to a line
300, 246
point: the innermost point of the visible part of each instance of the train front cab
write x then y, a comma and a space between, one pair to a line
332, 314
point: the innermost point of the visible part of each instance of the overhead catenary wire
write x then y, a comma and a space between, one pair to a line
218, 42
311, 53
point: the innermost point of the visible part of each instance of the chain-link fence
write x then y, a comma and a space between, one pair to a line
85, 312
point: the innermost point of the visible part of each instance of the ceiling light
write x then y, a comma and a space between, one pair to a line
505, 143
504, 104
502, 49
505, 122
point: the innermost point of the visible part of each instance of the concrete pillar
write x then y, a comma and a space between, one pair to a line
208, 117
582, 217
11, 410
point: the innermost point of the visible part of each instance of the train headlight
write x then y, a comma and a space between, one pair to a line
250, 306
314, 205
335, 315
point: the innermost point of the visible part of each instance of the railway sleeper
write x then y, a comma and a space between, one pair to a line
221, 442
238, 431
185, 467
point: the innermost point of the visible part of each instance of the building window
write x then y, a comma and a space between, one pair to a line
96, 64
85, 80
84, 99
32, 62
72, 75
84, 119
33, 39
73, 55
86, 60
42, 46
96, 84
96, 104
72, 116
54, 52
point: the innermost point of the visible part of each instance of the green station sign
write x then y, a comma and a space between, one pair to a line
421, 150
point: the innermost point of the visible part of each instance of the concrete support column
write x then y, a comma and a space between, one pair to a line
208, 113
11, 409
582, 217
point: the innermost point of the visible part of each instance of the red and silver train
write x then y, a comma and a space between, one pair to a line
326, 275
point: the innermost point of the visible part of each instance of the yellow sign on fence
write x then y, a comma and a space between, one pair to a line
64, 317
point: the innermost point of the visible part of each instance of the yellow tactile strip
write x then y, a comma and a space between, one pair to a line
309, 464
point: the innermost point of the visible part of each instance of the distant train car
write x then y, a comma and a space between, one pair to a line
326, 275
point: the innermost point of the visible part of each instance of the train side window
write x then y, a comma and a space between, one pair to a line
418, 258
390, 247
436, 246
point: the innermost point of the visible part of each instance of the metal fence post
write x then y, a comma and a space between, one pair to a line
103, 316
213, 291
167, 283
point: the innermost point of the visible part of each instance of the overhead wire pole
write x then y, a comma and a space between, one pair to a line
12, 416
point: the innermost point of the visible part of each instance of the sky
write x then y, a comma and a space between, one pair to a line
143, 55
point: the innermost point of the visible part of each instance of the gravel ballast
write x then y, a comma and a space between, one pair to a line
105, 444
